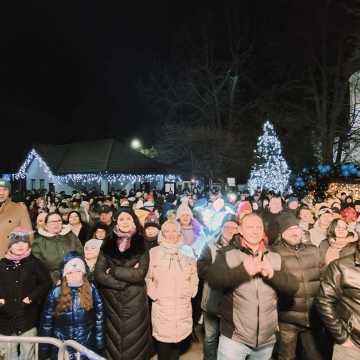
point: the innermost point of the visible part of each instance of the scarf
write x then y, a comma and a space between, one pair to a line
91, 264
261, 246
124, 239
75, 284
336, 245
173, 252
11, 256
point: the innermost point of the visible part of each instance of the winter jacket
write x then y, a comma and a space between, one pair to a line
122, 286
50, 249
347, 250
26, 278
85, 327
12, 215
304, 262
248, 310
151, 242
211, 298
271, 225
339, 299
172, 282
84, 234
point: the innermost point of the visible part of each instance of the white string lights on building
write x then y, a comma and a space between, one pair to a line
21, 174
90, 178
111, 178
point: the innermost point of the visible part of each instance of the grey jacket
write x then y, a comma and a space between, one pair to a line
249, 306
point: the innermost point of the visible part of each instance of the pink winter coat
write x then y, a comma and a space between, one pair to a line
171, 283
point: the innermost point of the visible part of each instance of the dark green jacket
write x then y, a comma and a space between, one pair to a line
50, 249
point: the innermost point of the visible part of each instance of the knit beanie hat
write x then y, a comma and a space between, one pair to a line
286, 220
73, 261
124, 202
324, 210
244, 206
151, 220
349, 215
19, 234
183, 209
5, 183
94, 243
100, 225
291, 199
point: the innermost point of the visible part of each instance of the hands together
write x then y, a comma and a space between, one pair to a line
254, 265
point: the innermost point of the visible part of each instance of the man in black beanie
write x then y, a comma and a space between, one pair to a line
296, 313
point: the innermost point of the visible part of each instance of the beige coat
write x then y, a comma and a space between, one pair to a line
11, 215
171, 283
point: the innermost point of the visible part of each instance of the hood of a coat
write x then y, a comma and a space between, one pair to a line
65, 230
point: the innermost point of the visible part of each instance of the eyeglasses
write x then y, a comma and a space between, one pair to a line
55, 222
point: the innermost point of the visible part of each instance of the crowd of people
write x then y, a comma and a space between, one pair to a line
134, 274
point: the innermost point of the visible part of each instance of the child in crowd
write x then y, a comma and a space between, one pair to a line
74, 310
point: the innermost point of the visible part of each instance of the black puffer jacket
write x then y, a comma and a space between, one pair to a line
339, 299
27, 278
304, 262
271, 225
127, 322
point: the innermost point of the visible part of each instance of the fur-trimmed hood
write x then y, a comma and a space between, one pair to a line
65, 230
137, 246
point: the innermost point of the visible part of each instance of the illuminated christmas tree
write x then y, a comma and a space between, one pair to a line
270, 170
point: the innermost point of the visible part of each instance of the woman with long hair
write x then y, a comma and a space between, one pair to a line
120, 273
78, 227
73, 310
340, 241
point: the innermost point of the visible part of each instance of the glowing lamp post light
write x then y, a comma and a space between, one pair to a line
135, 144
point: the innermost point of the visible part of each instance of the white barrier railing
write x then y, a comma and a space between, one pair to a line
62, 346
81, 349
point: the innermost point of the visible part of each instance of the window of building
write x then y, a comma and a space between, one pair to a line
42, 184
33, 184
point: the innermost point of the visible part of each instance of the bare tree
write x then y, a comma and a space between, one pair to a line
202, 97
326, 91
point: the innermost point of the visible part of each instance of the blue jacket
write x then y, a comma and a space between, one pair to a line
85, 327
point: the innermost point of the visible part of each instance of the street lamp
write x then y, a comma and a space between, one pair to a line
135, 144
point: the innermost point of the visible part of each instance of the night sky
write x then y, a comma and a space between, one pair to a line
70, 70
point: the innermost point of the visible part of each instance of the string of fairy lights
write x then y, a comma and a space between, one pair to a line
335, 188
91, 178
